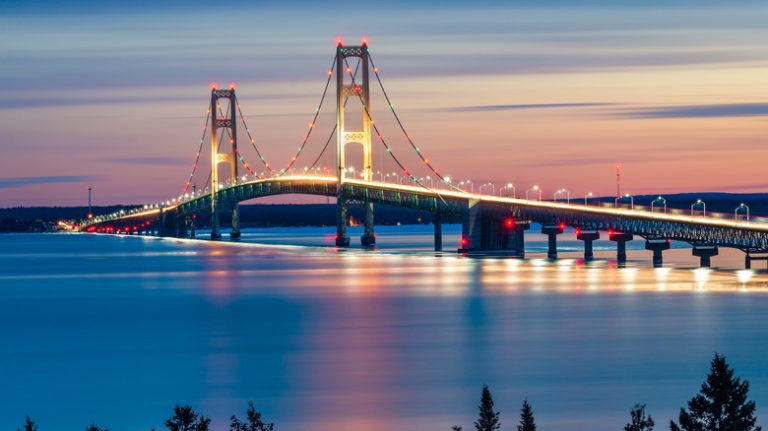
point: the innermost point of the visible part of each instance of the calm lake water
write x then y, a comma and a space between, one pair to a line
117, 330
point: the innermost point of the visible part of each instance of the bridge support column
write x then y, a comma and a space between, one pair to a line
193, 226
489, 229
705, 253
588, 236
369, 238
621, 239
552, 231
437, 221
235, 233
342, 239
657, 246
181, 227
215, 227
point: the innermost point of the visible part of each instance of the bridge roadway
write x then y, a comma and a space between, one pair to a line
491, 224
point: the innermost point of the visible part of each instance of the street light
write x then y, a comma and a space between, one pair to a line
659, 199
588, 195
744, 208
562, 191
508, 187
534, 188
627, 195
493, 188
703, 207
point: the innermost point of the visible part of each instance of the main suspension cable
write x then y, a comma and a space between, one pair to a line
381, 137
402, 127
197, 156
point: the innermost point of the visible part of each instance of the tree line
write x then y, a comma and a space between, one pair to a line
721, 404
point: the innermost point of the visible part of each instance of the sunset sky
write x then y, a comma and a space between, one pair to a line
530, 92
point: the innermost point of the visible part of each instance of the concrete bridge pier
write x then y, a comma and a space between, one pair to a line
657, 246
749, 258
588, 236
491, 229
192, 226
552, 231
234, 234
181, 227
342, 238
368, 239
705, 253
437, 221
215, 226
621, 239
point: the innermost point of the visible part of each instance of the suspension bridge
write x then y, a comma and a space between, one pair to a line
490, 223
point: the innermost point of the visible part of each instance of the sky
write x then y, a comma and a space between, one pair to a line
552, 93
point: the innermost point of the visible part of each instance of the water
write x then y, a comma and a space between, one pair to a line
117, 330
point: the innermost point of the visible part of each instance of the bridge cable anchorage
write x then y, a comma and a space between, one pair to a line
229, 135
312, 124
333, 131
388, 148
197, 157
402, 127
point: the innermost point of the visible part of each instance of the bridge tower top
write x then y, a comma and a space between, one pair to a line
356, 89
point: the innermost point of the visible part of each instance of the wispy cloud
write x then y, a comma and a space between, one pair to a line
15, 182
154, 161
699, 111
486, 108
55, 102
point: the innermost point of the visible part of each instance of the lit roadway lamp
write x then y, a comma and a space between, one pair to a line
703, 205
562, 191
741, 207
534, 188
431, 182
509, 186
493, 188
587, 196
659, 199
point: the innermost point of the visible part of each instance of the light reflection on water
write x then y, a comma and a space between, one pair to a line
397, 338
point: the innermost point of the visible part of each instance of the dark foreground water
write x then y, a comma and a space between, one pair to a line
117, 330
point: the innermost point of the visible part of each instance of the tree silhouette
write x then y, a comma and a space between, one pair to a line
456, 428
638, 421
29, 424
721, 404
489, 419
526, 418
254, 422
187, 419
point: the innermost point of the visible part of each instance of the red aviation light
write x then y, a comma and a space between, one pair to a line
364, 42
562, 226
610, 232
509, 222
339, 42
232, 85
213, 86
578, 231
463, 242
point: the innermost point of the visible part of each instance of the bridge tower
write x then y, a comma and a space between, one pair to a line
223, 154
355, 90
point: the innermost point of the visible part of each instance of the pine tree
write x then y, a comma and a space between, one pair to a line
29, 424
489, 419
187, 419
254, 422
639, 422
93, 427
456, 428
526, 418
721, 404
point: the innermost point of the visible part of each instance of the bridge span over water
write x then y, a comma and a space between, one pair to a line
490, 224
